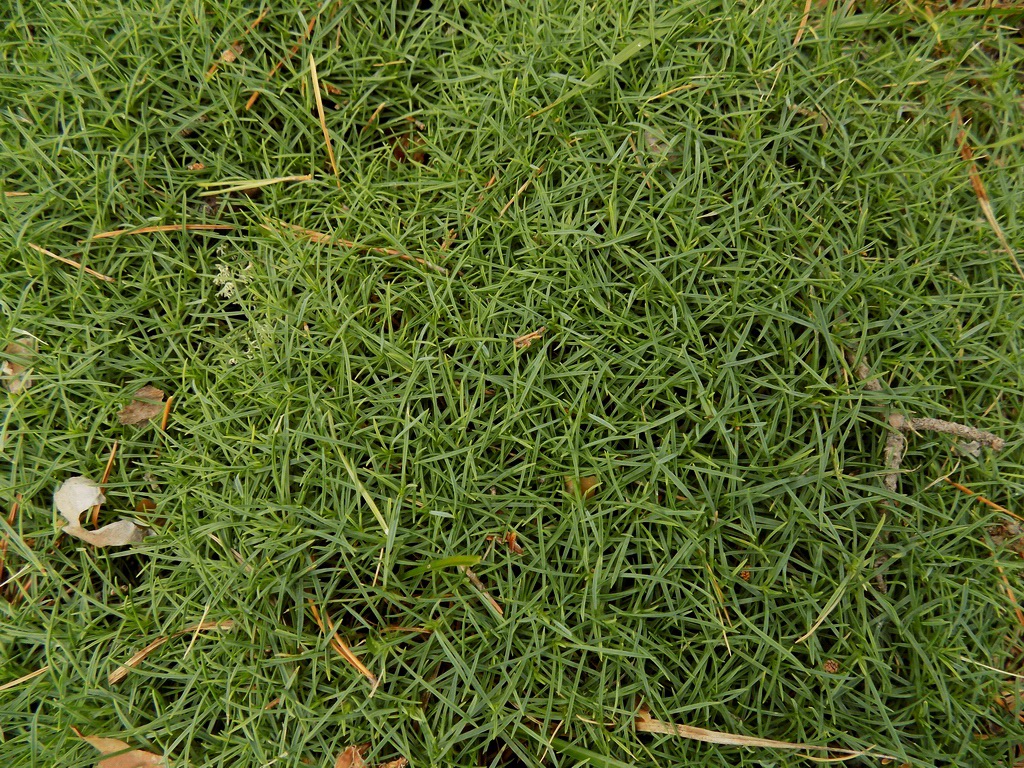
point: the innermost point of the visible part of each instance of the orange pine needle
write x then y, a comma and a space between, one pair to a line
167, 413
159, 228
71, 262
983, 500
323, 118
103, 482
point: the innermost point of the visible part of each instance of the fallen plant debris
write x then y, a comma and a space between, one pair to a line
156, 228
476, 582
25, 678
323, 239
323, 119
75, 496
341, 647
119, 754
146, 404
896, 440
71, 262
273, 71
352, 756
583, 488
233, 51
16, 368
524, 341
644, 723
979, 190
122, 671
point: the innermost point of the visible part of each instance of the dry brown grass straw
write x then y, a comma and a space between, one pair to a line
646, 724
983, 500
231, 52
522, 188
323, 118
71, 262
340, 646
24, 678
324, 239
122, 671
244, 186
159, 228
803, 23
291, 52
476, 582
979, 190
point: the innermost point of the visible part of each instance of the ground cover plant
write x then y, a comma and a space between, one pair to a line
510, 384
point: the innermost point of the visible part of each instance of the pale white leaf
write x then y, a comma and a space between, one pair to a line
76, 495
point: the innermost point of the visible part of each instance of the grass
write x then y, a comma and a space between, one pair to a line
712, 220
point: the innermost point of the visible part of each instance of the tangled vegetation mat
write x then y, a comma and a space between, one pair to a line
511, 383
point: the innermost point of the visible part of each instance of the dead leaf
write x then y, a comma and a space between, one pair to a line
15, 368
78, 494
136, 758
197, 166
584, 488
524, 341
351, 757
146, 404
231, 54
399, 763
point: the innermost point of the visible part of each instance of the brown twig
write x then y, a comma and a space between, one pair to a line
103, 482
159, 228
475, 581
522, 188
323, 118
166, 414
979, 190
321, 238
273, 70
71, 262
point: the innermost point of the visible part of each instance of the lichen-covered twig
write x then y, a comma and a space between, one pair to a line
896, 440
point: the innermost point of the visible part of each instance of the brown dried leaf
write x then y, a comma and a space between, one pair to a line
584, 488
15, 368
351, 757
399, 763
197, 166
136, 758
146, 404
